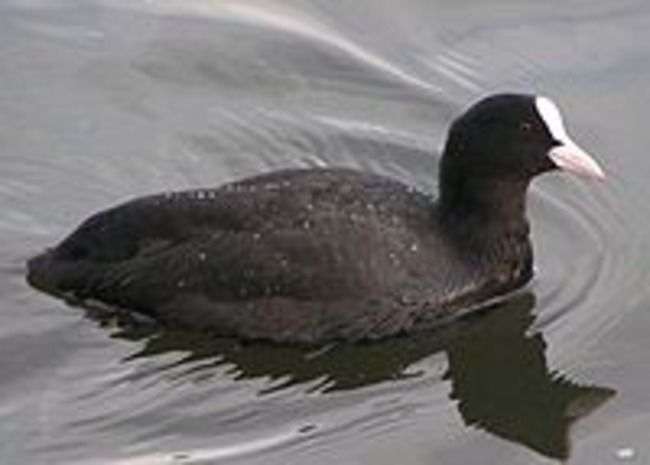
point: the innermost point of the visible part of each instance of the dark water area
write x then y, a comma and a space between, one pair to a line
101, 101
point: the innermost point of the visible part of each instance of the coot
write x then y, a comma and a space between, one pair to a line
311, 255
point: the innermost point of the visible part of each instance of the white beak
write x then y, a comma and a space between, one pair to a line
567, 156
571, 158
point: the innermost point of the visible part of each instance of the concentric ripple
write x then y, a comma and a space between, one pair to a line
584, 270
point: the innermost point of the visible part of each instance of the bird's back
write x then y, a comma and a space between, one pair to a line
299, 247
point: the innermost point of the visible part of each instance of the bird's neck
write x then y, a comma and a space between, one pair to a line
487, 220
485, 210
488, 199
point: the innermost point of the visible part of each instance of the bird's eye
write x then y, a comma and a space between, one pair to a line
525, 126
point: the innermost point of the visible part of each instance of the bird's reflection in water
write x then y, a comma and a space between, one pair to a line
502, 382
498, 371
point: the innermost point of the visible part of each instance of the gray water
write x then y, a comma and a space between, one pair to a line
101, 101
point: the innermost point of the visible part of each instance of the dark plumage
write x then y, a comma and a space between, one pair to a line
324, 254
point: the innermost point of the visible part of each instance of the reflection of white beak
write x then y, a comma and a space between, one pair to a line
567, 156
573, 159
